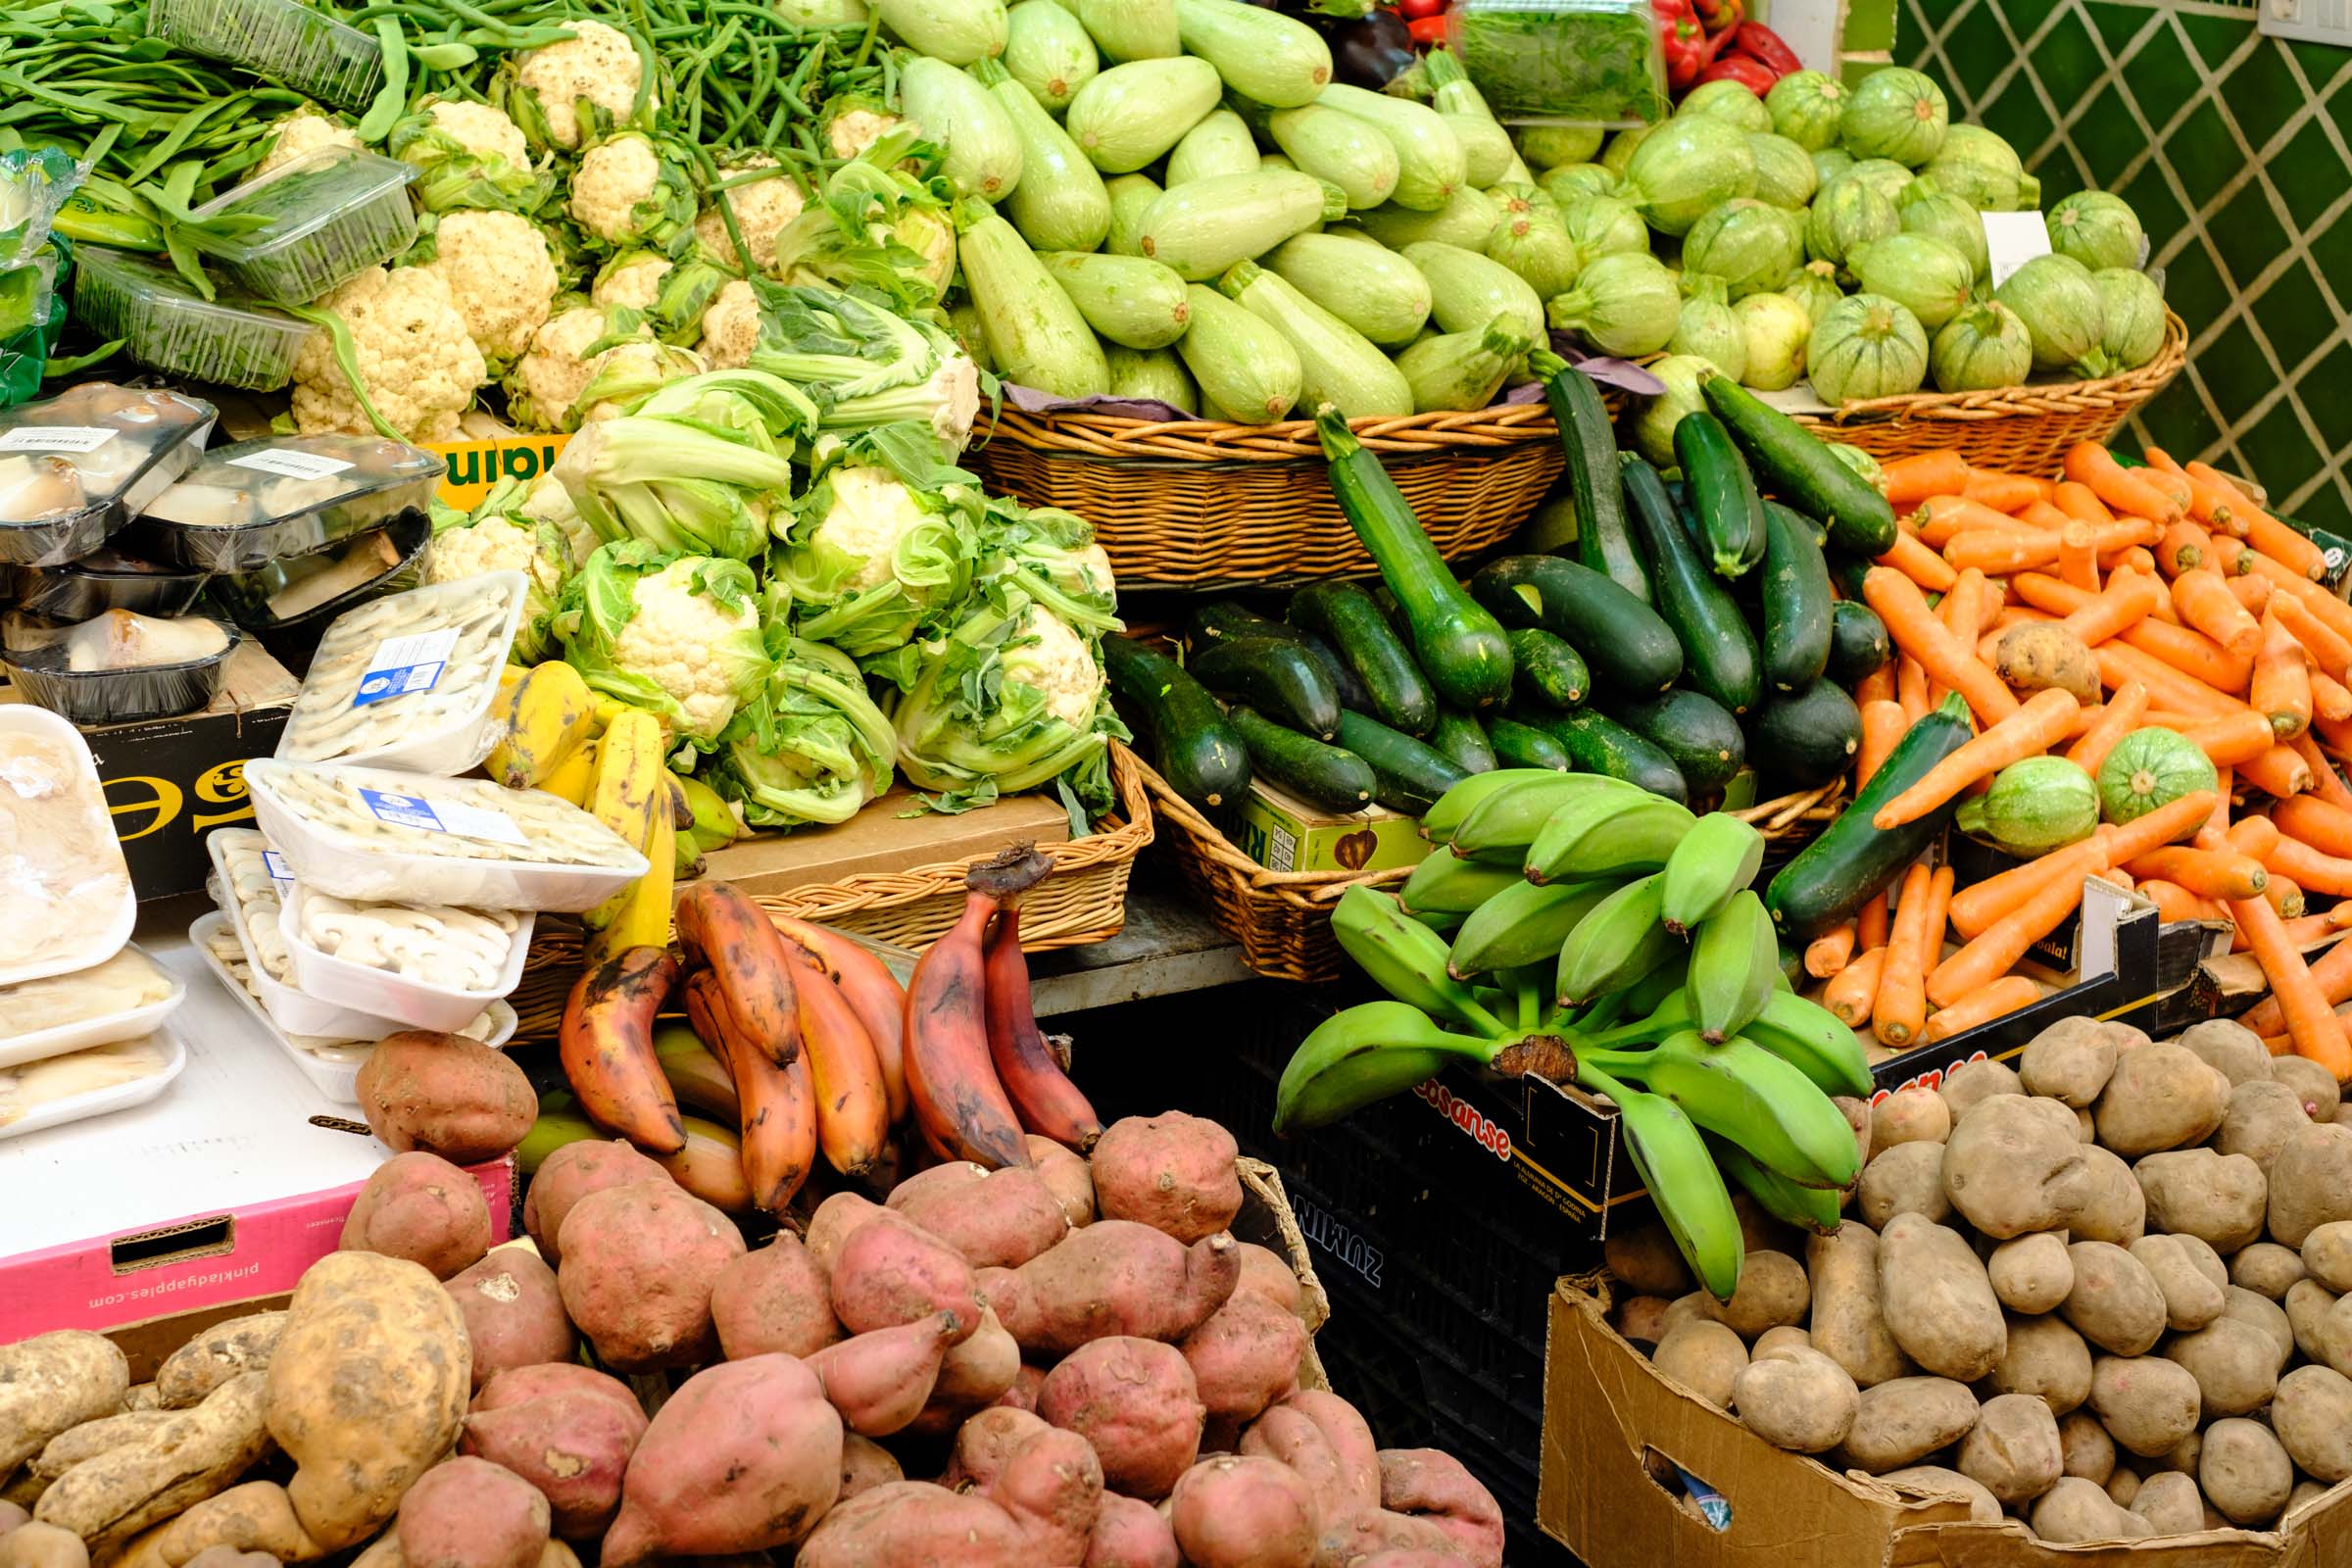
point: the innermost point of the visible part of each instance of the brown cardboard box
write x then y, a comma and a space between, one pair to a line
1618, 1438
880, 840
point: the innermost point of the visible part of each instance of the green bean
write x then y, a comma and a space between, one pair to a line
392, 100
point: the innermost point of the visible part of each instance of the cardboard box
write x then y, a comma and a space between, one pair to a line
882, 839
471, 468
171, 781
219, 1191
1283, 833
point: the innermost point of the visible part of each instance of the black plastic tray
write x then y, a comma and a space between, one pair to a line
93, 696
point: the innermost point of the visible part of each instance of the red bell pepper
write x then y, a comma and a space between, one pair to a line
1753, 75
1687, 46
1759, 42
1718, 16
1427, 29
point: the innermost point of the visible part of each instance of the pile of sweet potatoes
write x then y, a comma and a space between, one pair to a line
1070, 1365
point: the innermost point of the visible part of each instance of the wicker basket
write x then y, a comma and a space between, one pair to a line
1202, 504
2019, 430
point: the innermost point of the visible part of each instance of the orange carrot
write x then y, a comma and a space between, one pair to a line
1916, 630
2311, 820
2173, 900
2118, 716
2281, 684
2230, 740
1996, 1000
1900, 1010
1829, 954
2002, 551
2168, 688
2328, 650
2005, 492
2031, 731
1882, 727
2255, 835
2326, 784
1977, 908
1918, 562
2311, 1019
1911, 687
2313, 872
2302, 930
1877, 686
2080, 503
2043, 515
2078, 558
1960, 606
1932, 925
2224, 790
2333, 976
2160, 459
2206, 603
2329, 700
2183, 547
2139, 557
2255, 593
2090, 463
2223, 873
1871, 929
2168, 823
2127, 599
1910, 480
2214, 501
1996, 951
2283, 895
2124, 533
2284, 545
2170, 483
2278, 772
1855, 989
1942, 518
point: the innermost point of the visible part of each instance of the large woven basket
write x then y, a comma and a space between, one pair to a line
2019, 430
1202, 504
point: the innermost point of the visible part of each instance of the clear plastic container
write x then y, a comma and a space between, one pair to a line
126, 695
1563, 61
330, 215
87, 1021
331, 1062
369, 988
280, 604
161, 1054
408, 681
252, 502
103, 580
379, 837
167, 326
304, 48
252, 900
66, 898
76, 466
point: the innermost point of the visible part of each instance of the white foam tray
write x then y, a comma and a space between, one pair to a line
386, 995
25, 718
90, 1032
98, 1102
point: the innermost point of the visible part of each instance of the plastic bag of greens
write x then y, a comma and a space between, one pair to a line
1563, 61
28, 339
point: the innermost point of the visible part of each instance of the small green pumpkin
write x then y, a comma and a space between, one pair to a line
2152, 768
2035, 805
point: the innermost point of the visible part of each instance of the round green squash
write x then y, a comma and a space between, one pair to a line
2151, 767
2035, 805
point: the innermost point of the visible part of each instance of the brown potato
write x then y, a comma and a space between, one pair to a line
2244, 1471
2147, 1402
2075, 1510
2311, 1182
2122, 1487
2312, 1413
1934, 1479
2203, 1259
42, 1545
2308, 1303
1909, 1115
2013, 1449
1972, 1080
2190, 1300
187, 1457
1907, 1179
2160, 1096
1772, 1290
2328, 1254
1901, 1422
2235, 1366
2241, 1306
1641, 1318
2031, 1274
53, 1382
1704, 1357
1935, 1300
2086, 1448
2230, 1047
513, 1313
1647, 1260
2313, 1085
2116, 1303
2262, 1115
1848, 1326
214, 1357
2046, 1359
2009, 1169
2218, 1198
2336, 1336
1857, 1116
2304, 1494
2116, 1209
1796, 1400
2070, 1060
1785, 1337
2169, 1500
2037, 655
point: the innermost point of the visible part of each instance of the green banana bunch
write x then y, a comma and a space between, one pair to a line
1734, 960
1718, 858
1521, 924
1501, 827
1811, 1209
1405, 958
1364, 1054
1444, 883
1803, 1034
1601, 833
1683, 1183
1749, 1095
1447, 813
1614, 945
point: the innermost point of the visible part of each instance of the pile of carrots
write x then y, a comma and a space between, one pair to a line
2203, 615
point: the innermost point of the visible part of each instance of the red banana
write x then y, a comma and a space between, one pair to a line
871, 988
1042, 1093
959, 1103
721, 930
779, 1103
606, 1044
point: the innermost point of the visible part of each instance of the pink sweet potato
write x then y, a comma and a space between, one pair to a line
1433, 1485
513, 1313
1051, 1488
773, 1299
1287, 1433
1375, 1531
880, 1381
421, 1207
1026, 1385
971, 1375
446, 1095
1130, 1533
1066, 1175
1112, 1277
523, 1384
639, 1263
986, 1443
1245, 1356
840, 1216
997, 1219
1348, 1438
1172, 1172
469, 1513
744, 1457
1245, 1512
1270, 1274
913, 1524
1409, 1557
1134, 1400
570, 1174
566, 1428
865, 1466
890, 1272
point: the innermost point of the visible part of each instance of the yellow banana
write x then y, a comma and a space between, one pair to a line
543, 720
715, 824
605, 709
631, 797
575, 776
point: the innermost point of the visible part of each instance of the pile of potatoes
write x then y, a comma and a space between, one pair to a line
2104, 1292
1073, 1364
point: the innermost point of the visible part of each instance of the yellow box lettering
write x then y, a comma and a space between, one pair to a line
223, 785
157, 795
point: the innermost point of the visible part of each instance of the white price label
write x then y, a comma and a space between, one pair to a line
56, 438
275, 864
442, 817
2011, 240
401, 666
288, 463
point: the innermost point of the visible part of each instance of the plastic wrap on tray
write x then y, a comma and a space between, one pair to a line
57, 1090
75, 466
433, 966
1563, 61
66, 898
119, 667
127, 996
289, 603
296, 44
406, 681
103, 580
326, 215
252, 502
167, 326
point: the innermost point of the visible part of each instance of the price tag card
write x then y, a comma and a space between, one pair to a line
442, 817
275, 864
2011, 240
57, 438
288, 463
401, 666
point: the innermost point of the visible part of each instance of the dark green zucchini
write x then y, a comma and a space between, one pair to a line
1552, 525
1457, 738
1350, 691
1858, 643
1345, 616
1602, 540
1200, 753
1723, 494
1796, 466
1853, 858
1518, 745
1627, 646
1322, 775
1275, 675
1456, 642
1410, 775
1796, 601
1599, 744
1808, 736
1705, 741
1846, 572
1719, 652
1546, 669
1221, 619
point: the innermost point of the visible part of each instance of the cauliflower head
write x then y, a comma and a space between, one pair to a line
494, 543
555, 369
627, 193
304, 131
412, 351
677, 638
598, 62
761, 207
548, 502
856, 127
1055, 662
482, 129
631, 280
871, 512
501, 276
731, 328
678, 635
